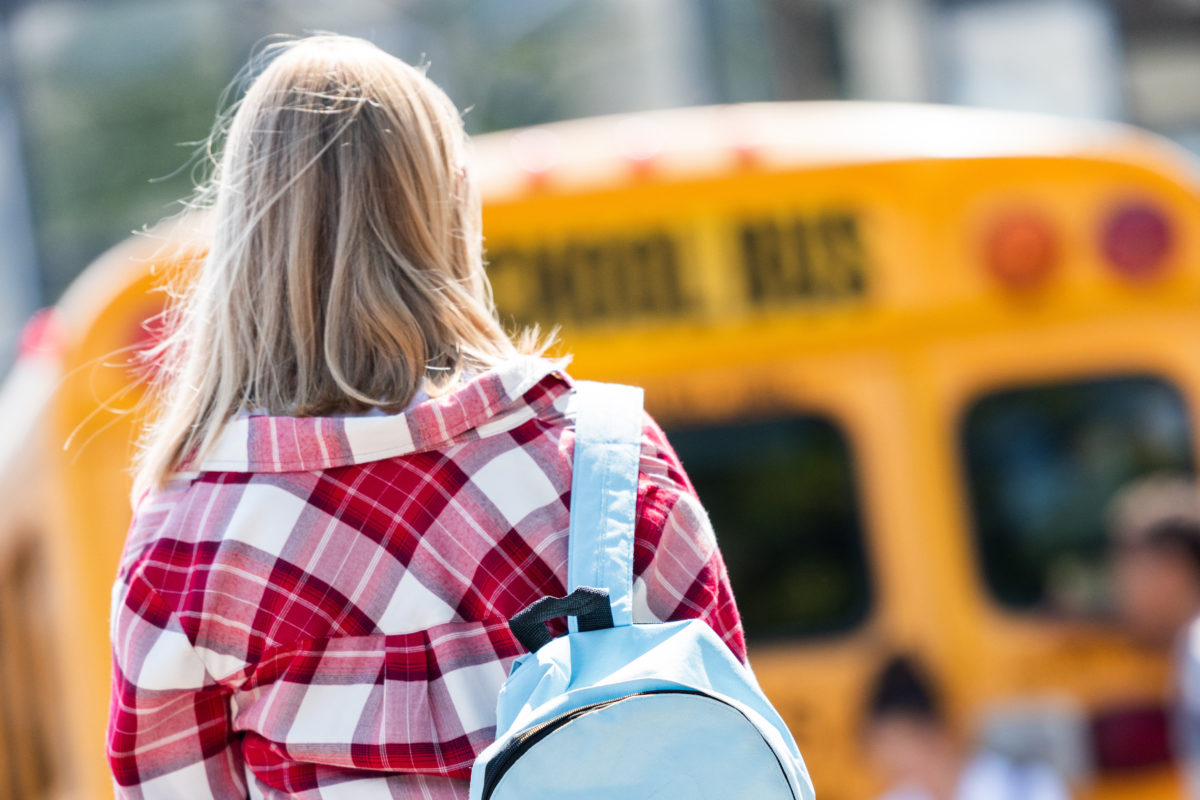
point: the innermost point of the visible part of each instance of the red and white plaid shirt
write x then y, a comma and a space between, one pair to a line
320, 609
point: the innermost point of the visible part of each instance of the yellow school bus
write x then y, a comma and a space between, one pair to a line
906, 354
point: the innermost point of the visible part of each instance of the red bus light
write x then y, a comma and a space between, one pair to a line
1021, 249
42, 335
1137, 238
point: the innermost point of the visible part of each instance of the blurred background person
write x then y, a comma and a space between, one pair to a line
910, 742
1156, 543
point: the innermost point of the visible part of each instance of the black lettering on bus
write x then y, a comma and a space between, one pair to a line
806, 258
592, 265
655, 276
555, 285
591, 280
510, 273
762, 259
805, 274
844, 251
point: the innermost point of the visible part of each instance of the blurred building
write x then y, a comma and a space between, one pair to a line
18, 261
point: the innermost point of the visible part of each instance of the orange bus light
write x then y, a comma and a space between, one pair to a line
1021, 249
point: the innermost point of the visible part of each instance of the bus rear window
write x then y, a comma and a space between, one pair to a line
1043, 464
782, 500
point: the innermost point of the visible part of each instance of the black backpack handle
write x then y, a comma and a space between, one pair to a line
590, 605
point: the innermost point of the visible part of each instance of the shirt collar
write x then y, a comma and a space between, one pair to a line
490, 403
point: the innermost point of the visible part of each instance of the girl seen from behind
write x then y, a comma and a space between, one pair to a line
355, 476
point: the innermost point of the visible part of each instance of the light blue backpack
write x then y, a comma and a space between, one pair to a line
617, 710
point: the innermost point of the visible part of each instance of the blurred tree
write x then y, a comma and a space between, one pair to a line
108, 95
107, 92
110, 91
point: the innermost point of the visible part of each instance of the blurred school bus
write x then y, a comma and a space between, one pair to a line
906, 354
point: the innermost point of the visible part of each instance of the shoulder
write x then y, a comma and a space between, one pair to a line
660, 464
666, 496
667, 505
196, 521
152, 518
659, 467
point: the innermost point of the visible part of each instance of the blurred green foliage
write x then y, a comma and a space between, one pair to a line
115, 96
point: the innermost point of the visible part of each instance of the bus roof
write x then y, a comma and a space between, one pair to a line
688, 143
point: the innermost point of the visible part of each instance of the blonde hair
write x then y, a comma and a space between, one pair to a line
345, 264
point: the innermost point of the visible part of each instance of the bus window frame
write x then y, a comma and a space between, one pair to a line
795, 413
973, 367
797, 385
972, 530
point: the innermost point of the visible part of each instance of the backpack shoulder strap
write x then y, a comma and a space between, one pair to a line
608, 447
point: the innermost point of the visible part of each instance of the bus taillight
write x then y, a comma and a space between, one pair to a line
1021, 249
1136, 240
536, 151
641, 140
42, 335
